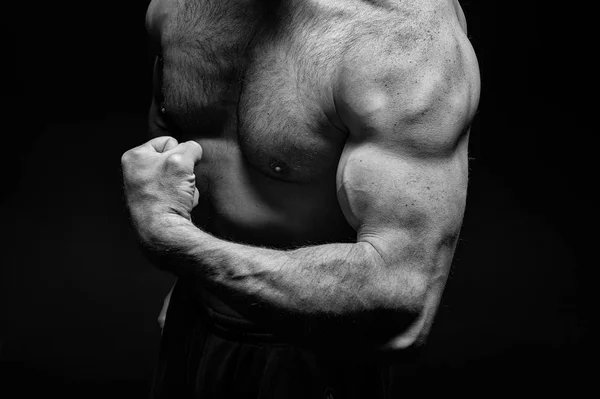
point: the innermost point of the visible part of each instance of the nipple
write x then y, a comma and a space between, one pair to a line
277, 166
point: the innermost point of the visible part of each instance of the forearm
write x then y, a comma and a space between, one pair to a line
325, 286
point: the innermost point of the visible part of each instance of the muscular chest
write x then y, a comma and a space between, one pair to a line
287, 125
267, 88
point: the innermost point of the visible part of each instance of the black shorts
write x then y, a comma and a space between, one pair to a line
205, 354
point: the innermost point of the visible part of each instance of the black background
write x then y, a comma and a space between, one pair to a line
79, 303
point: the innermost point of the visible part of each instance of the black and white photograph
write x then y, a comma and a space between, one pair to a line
296, 199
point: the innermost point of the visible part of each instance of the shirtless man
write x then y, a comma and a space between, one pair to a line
306, 182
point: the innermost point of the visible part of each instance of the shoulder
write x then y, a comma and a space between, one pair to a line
421, 75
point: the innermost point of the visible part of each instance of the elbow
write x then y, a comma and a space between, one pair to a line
387, 319
402, 312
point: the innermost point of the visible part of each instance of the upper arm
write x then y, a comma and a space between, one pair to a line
402, 177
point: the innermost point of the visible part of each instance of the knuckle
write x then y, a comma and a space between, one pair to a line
174, 160
126, 157
131, 156
195, 146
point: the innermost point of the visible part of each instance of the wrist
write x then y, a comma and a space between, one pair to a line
154, 223
165, 239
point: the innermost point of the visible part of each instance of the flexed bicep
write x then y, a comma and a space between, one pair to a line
389, 196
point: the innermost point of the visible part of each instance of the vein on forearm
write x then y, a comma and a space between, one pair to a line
332, 279
318, 280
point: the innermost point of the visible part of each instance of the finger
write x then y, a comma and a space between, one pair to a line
163, 143
190, 151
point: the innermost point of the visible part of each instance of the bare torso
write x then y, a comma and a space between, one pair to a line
256, 88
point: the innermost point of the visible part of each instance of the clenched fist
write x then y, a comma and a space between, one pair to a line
159, 180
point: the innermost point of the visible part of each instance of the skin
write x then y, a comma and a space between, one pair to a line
340, 215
